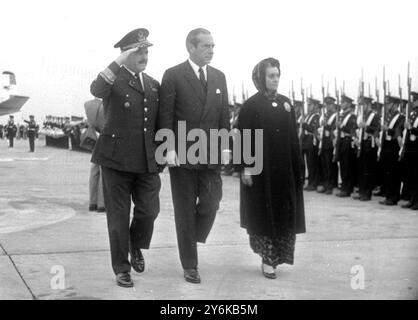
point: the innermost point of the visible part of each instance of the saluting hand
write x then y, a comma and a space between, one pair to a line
124, 55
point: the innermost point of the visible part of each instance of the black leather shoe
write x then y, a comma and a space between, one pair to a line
137, 259
342, 194
357, 197
93, 207
365, 198
407, 205
388, 202
101, 209
415, 207
124, 280
328, 191
192, 275
309, 188
269, 275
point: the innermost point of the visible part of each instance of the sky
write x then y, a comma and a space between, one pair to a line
56, 48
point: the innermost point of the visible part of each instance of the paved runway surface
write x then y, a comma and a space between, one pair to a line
51, 247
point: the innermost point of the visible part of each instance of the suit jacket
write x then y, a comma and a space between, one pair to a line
182, 99
126, 142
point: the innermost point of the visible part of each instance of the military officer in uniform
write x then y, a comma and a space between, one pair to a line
346, 154
125, 151
411, 154
392, 129
11, 130
367, 153
310, 144
31, 132
327, 150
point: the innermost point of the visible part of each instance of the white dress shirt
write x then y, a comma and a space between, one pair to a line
196, 68
134, 75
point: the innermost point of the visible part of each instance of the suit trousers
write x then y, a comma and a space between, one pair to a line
96, 186
119, 188
196, 195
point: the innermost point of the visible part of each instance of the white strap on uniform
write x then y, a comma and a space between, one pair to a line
347, 117
393, 121
370, 118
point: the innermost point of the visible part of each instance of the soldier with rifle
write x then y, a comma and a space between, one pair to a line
327, 151
409, 150
346, 154
367, 149
11, 130
309, 140
390, 147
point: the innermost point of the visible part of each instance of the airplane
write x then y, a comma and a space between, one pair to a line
10, 102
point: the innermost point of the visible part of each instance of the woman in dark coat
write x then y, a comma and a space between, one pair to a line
271, 203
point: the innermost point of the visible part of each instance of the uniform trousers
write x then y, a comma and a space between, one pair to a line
119, 189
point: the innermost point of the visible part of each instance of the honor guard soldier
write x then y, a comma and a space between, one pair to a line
392, 132
125, 151
298, 105
32, 126
11, 130
346, 153
329, 168
1, 131
310, 144
411, 154
379, 185
367, 150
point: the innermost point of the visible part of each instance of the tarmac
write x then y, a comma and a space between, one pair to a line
52, 247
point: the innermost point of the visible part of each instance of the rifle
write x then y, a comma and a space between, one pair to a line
406, 132
321, 137
302, 111
382, 135
361, 113
337, 120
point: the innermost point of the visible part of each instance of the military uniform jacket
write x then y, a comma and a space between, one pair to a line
11, 128
348, 128
127, 140
329, 129
412, 144
371, 132
183, 99
309, 131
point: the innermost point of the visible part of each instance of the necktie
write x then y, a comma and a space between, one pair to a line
202, 79
139, 81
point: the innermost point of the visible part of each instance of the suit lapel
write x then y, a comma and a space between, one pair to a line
194, 83
211, 94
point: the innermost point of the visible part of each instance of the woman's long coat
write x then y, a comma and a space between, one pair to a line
273, 205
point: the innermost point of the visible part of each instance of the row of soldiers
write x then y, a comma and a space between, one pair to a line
366, 152
56, 122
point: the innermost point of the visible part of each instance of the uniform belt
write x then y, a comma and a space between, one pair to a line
344, 135
412, 137
388, 138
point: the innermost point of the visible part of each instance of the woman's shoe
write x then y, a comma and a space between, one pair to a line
268, 271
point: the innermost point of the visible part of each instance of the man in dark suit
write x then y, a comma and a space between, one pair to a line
125, 151
194, 94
